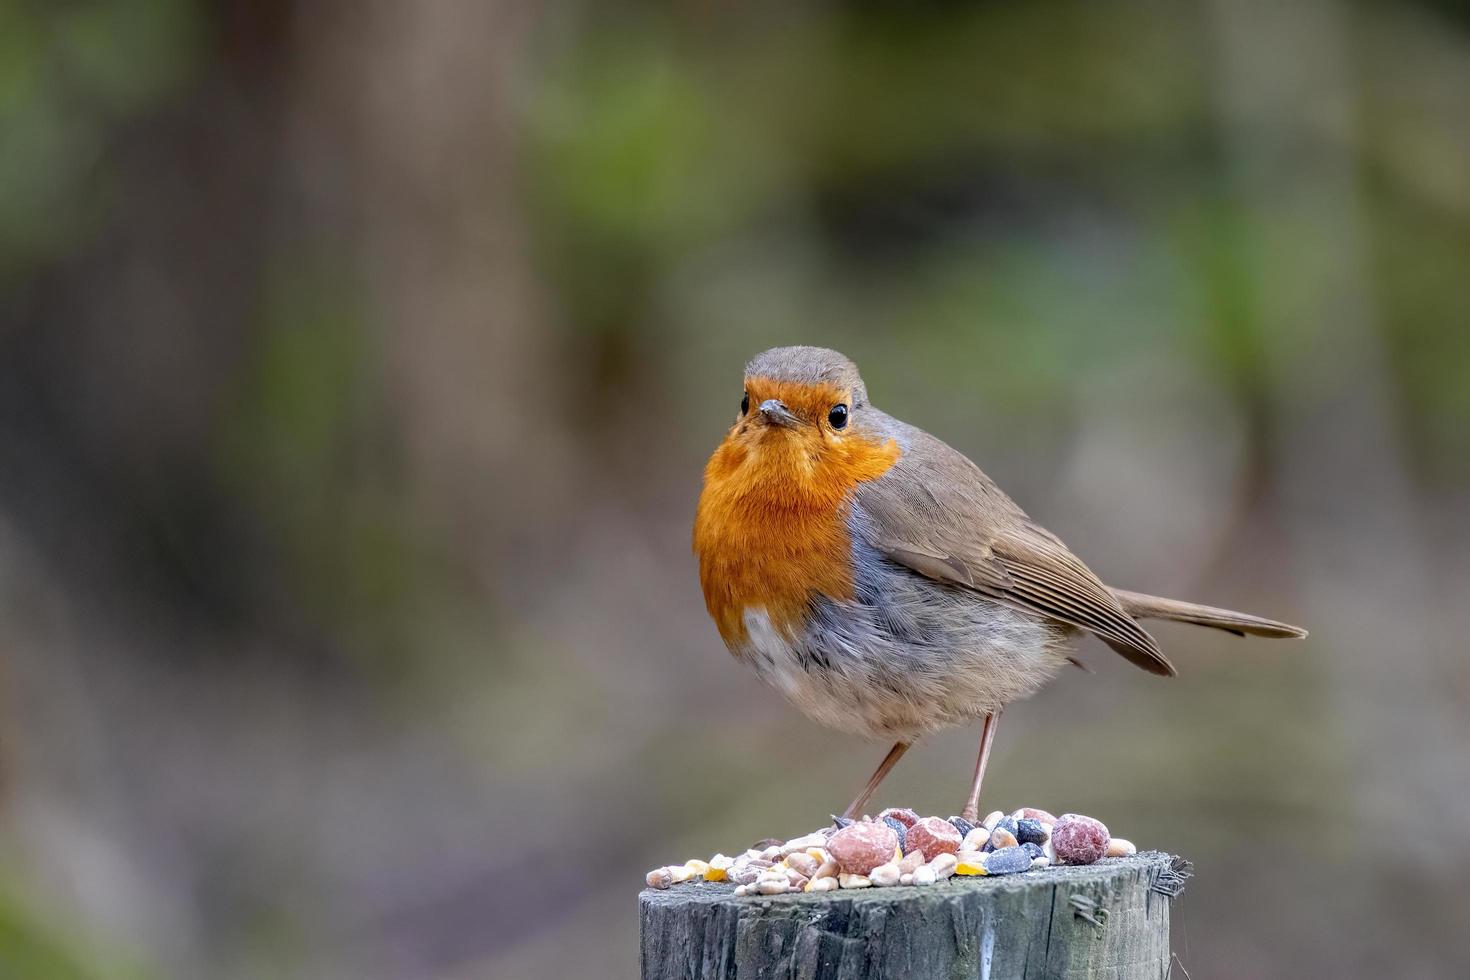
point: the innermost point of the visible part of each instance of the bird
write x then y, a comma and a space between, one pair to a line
882, 583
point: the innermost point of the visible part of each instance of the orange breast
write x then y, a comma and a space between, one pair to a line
771, 529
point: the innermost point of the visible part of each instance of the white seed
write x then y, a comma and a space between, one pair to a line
659, 878
943, 866
911, 861
772, 853
742, 890
885, 875
828, 869
1120, 848
696, 867
975, 840
1040, 861
907, 878
802, 862
680, 872
802, 843
768, 887
926, 876
991, 819
854, 881
1049, 851
826, 884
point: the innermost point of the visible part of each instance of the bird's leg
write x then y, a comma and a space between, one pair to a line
889, 761
971, 811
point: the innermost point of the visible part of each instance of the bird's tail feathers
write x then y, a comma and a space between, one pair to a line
1142, 606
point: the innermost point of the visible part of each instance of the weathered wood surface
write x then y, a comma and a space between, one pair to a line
1108, 920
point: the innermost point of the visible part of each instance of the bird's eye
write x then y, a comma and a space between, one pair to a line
745, 403
838, 416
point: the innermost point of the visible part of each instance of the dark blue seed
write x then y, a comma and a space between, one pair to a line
1007, 860
962, 825
841, 822
1032, 849
1009, 823
1030, 831
899, 829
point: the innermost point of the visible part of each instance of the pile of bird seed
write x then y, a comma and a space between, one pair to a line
899, 847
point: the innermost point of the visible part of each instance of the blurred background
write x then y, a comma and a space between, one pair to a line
359, 360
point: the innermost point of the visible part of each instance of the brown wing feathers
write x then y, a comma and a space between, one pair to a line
938, 514
1011, 560
1051, 580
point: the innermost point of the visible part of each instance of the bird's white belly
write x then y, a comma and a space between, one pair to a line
777, 661
773, 655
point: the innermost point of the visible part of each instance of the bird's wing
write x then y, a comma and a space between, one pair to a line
938, 514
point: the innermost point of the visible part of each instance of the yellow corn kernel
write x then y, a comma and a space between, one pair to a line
718, 865
970, 868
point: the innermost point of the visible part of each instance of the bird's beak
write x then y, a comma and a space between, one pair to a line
776, 413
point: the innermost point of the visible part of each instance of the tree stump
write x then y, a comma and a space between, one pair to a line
1110, 919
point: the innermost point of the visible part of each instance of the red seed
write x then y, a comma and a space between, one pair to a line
933, 836
1078, 839
862, 847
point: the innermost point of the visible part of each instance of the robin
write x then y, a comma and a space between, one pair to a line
885, 585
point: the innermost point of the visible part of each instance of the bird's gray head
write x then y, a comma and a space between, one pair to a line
810, 366
803, 387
